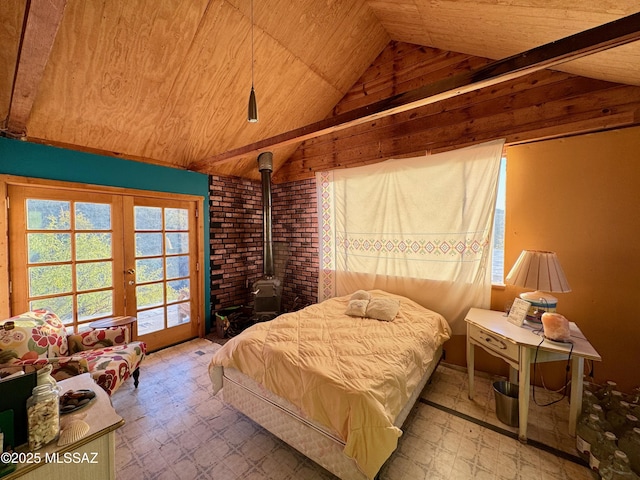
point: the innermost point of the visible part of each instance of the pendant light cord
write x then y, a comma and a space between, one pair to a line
252, 109
252, 44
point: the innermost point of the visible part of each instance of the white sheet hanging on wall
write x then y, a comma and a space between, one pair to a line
419, 227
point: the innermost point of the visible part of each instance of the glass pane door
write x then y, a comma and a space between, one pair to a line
87, 256
162, 270
66, 255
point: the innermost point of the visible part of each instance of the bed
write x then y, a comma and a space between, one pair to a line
336, 387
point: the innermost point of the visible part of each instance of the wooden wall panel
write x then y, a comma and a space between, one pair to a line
112, 67
318, 33
401, 18
167, 81
497, 30
198, 119
11, 19
403, 67
42, 21
545, 104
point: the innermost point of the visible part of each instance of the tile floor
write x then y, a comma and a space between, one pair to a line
548, 424
176, 429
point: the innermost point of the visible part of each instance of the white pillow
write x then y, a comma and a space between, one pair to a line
361, 295
357, 308
383, 309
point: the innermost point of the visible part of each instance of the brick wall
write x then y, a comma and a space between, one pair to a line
295, 222
236, 240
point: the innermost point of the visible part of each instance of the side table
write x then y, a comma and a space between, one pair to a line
517, 346
92, 456
126, 321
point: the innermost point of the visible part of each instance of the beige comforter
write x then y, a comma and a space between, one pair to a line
351, 374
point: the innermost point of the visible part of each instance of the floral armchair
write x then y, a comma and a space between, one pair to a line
38, 338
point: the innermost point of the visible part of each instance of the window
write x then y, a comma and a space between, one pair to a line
63, 254
419, 225
497, 267
92, 254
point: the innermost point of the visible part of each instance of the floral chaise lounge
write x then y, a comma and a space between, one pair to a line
37, 338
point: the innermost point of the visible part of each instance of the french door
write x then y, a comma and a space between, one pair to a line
160, 268
93, 255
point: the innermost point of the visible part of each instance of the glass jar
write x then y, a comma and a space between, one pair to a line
588, 399
606, 390
618, 417
618, 469
633, 396
589, 384
602, 451
612, 401
631, 423
587, 434
44, 376
597, 410
630, 444
43, 416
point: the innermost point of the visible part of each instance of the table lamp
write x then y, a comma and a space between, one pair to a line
540, 271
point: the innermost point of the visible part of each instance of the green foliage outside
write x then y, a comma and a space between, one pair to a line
50, 271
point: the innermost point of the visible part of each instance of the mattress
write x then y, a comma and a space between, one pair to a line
287, 422
349, 377
257, 390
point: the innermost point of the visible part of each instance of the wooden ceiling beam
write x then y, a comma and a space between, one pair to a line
597, 39
43, 18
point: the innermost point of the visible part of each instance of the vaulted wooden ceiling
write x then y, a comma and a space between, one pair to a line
167, 81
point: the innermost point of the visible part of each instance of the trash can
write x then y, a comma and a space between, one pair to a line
506, 394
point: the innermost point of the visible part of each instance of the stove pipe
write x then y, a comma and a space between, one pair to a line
265, 166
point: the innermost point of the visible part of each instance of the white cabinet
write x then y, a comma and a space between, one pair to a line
93, 456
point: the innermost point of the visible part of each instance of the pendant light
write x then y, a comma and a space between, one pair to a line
252, 111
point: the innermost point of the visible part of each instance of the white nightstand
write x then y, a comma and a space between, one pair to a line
517, 346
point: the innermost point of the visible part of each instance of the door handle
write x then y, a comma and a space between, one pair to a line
131, 271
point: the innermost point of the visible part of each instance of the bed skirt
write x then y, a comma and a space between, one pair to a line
310, 439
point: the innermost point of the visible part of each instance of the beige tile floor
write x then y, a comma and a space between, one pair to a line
548, 424
176, 429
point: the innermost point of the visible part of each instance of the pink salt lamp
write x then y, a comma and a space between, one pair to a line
556, 327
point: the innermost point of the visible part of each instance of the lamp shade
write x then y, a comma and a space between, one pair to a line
538, 270
252, 110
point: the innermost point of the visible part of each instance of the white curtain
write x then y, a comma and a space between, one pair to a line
419, 227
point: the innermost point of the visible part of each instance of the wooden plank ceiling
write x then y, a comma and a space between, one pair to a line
167, 81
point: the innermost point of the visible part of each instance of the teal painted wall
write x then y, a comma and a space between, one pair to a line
41, 161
